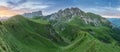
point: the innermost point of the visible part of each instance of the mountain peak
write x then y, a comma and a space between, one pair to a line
68, 12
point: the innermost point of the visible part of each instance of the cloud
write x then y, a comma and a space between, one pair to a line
31, 6
111, 12
16, 3
118, 8
3, 3
7, 12
107, 12
11, 7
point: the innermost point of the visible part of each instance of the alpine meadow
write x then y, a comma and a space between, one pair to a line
70, 29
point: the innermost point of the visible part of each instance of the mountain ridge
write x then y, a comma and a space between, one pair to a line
65, 33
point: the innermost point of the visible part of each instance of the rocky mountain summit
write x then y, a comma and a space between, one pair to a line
69, 14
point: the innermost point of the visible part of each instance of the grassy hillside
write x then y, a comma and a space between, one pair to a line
23, 35
19, 34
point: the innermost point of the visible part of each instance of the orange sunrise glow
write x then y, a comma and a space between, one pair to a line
7, 12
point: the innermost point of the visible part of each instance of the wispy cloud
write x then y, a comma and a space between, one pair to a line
118, 8
107, 12
111, 12
31, 6
16, 2
14, 7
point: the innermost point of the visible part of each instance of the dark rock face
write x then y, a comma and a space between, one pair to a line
30, 15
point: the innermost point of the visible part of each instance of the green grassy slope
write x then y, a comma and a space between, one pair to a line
19, 34
87, 37
23, 35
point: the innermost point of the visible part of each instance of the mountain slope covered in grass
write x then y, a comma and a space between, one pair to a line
69, 30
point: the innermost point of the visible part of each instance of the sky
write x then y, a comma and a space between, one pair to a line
105, 8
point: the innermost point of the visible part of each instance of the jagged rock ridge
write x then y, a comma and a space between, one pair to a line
69, 14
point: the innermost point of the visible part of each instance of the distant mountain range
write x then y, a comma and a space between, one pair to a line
68, 30
115, 21
32, 14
